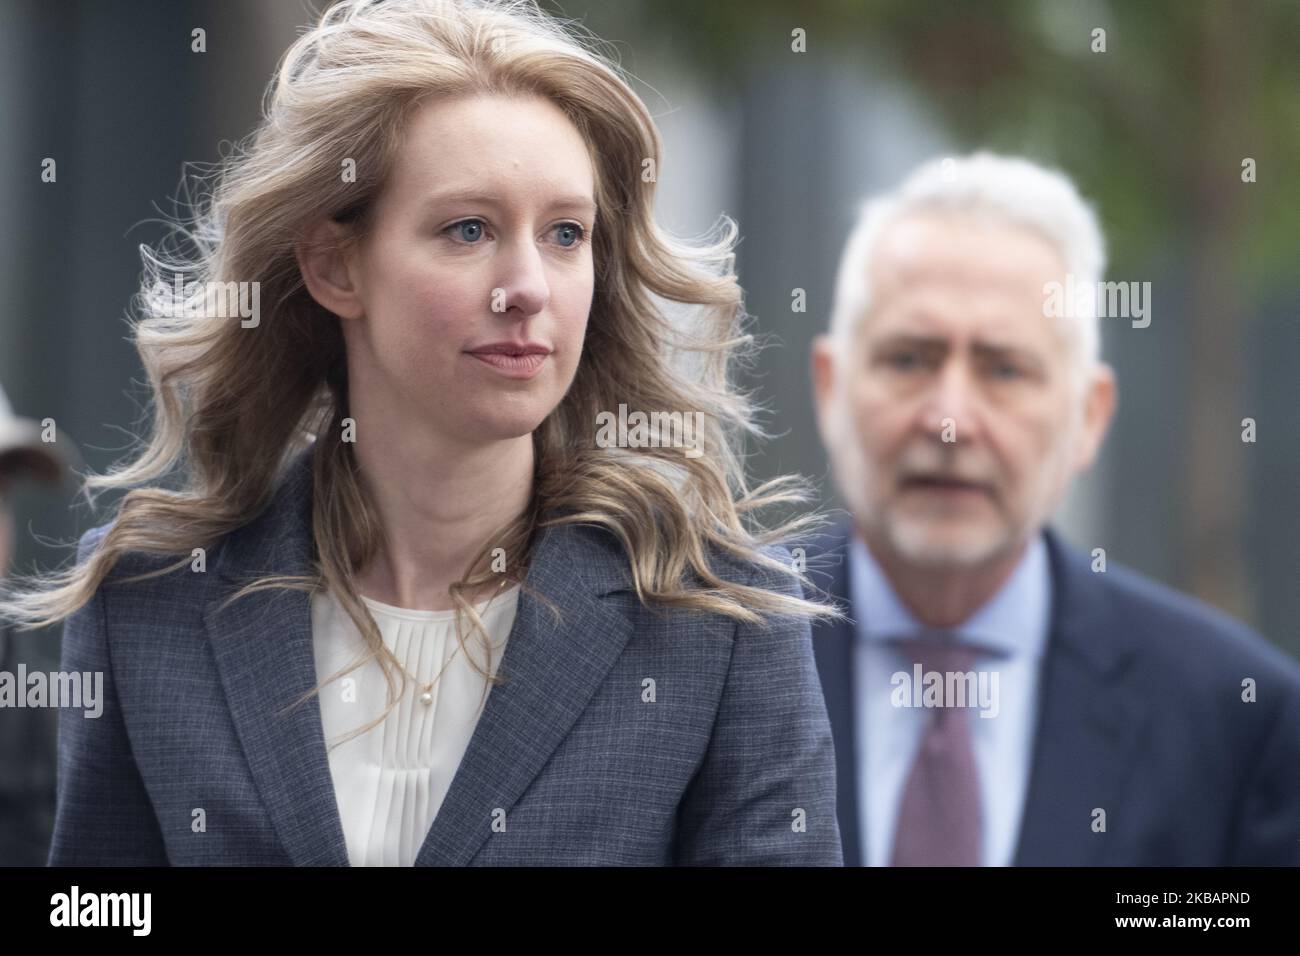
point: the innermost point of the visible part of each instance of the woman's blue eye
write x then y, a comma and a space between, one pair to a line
468, 230
569, 234
571, 231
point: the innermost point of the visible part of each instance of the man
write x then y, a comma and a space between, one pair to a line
27, 735
1001, 698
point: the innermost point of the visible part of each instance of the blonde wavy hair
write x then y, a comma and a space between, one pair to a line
232, 405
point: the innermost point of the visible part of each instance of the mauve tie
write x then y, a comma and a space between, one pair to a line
939, 813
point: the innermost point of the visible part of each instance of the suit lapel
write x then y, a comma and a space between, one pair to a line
263, 648
833, 649
1090, 720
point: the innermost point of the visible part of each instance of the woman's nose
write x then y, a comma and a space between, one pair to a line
523, 284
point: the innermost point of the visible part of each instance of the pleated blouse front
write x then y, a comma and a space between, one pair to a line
391, 780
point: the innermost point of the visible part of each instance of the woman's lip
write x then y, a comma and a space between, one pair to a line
509, 348
512, 366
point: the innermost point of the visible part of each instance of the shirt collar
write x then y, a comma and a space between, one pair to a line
1015, 620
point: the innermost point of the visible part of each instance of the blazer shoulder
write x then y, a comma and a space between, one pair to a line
90, 539
600, 549
127, 562
754, 573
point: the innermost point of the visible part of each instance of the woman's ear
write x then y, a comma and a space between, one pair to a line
327, 262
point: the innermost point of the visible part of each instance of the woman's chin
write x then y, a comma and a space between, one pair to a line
502, 427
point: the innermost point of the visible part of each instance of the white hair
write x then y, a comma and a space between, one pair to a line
1009, 188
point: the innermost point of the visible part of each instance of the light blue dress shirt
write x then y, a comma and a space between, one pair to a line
1015, 621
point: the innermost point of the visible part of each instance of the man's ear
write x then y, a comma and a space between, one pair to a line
823, 377
823, 368
327, 263
1099, 402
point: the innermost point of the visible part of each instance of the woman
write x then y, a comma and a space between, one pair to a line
444, 230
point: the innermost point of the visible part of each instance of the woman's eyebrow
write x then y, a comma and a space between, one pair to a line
487, 199
575, 202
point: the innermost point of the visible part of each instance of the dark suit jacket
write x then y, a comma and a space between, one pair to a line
725, 767
1141, 714
27, 746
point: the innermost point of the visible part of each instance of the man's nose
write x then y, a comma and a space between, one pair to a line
522, 283
950, 411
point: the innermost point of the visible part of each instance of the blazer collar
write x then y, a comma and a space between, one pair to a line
263, 649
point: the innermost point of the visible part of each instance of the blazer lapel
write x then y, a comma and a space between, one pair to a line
263, 649
1090, 720
552, 669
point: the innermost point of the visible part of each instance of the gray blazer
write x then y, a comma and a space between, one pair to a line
731, 764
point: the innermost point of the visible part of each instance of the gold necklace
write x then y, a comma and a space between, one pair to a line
426, 690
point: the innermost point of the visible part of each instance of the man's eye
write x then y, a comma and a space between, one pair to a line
467, 230
570, 234
903, 360
1006, 370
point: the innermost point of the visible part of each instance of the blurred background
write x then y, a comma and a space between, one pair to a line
1154, 130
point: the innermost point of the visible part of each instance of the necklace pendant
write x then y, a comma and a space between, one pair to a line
426, 698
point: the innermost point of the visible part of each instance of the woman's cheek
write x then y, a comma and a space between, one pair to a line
448, 318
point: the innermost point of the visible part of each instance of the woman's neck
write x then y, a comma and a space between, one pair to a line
438, 508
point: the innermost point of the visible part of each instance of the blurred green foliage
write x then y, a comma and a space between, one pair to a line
1154, 129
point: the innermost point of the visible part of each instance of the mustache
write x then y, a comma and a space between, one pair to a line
928, 464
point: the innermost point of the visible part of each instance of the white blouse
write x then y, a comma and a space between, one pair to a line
390, 781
